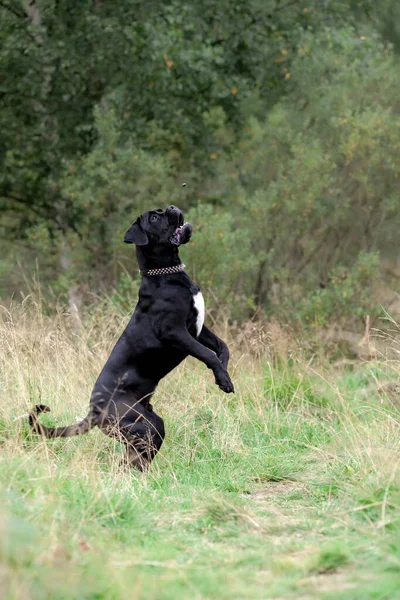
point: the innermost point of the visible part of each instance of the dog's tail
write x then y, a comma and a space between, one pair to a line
52, 432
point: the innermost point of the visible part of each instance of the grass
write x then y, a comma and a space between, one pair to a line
289, 489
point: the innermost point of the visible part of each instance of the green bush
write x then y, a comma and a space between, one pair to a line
289, 148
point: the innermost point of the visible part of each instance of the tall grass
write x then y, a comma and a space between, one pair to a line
288, 489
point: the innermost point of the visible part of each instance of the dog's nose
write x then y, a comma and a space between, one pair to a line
175, 215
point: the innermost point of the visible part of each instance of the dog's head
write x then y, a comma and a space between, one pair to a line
159, 227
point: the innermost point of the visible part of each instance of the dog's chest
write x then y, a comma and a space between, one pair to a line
198, 303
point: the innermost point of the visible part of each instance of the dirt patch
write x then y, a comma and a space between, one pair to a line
329, 582
271, 500
277, 488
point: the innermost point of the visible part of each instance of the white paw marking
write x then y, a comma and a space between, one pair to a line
198, 301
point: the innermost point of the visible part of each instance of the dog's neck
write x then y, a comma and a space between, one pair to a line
157, 257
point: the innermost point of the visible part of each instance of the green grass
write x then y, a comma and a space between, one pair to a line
289, 489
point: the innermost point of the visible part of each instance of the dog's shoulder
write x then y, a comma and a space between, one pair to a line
186, 282
182, 287
174, 290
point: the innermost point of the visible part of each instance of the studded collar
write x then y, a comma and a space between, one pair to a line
164, 270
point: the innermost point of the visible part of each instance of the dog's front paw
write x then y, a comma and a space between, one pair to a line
224, 382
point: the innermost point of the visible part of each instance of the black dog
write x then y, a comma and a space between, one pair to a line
166, 327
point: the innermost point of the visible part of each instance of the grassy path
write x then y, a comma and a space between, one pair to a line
290, 489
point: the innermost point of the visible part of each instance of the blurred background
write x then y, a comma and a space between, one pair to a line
282, 117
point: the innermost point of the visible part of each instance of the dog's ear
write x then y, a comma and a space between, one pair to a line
136, 235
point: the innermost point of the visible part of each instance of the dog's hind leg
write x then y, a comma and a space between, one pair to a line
143, 439
138, 453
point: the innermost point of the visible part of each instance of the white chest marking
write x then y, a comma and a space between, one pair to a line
198, 301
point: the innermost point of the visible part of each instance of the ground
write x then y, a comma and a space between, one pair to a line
288, 489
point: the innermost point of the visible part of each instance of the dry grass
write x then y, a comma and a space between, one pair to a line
289, 489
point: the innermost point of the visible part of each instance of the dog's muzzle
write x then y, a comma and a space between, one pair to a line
182, 235
175, 216
182, 231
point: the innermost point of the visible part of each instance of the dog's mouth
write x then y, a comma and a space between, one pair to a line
176, 239
182, 233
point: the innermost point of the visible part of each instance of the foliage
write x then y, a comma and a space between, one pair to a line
322, 174
221, 257
348, 294
281, 117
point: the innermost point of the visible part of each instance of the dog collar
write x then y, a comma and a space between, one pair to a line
164, 270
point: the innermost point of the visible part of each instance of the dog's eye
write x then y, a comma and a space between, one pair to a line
154, 218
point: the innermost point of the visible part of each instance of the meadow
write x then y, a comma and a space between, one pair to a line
275, 127
288, 489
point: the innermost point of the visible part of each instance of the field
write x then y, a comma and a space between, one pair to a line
288, 489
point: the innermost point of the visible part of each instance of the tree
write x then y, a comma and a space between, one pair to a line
258, 105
